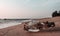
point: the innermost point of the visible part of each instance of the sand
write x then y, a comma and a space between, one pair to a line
19, 31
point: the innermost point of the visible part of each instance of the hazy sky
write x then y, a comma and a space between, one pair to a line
28, 8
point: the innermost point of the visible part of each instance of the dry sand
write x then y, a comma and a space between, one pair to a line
19, 31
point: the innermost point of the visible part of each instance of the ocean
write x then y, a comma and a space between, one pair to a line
9, 23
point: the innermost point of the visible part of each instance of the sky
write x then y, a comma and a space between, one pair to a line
28, 8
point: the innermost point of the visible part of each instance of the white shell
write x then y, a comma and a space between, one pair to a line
33, 30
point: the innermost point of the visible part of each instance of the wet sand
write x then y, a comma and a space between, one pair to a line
19, 31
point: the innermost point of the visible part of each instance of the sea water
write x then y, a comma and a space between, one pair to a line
9, 23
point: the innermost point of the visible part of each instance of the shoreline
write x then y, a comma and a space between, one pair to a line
18, 30
6, 25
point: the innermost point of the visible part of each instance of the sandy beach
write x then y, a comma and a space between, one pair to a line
19, 31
